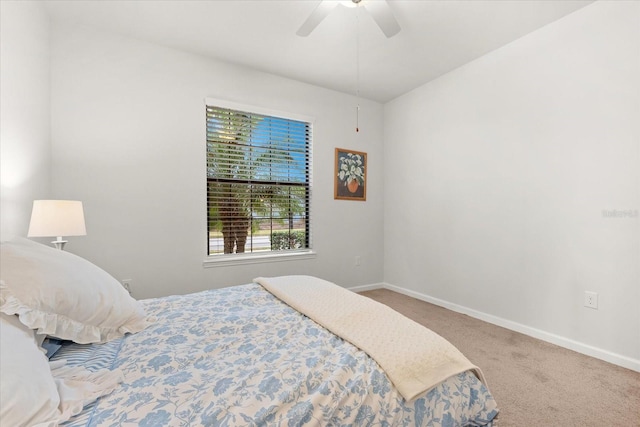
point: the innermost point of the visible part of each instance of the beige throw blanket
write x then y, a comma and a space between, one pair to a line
415, 358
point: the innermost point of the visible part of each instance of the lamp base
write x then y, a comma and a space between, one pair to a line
59, 243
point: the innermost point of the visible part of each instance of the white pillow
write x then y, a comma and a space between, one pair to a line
64, 295
28, 393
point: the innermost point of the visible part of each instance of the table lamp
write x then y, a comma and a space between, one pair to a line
57, 218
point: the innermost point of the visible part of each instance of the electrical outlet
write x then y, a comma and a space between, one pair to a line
357, 261
591, 299
126, 283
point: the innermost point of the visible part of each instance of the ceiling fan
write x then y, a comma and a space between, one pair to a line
378, 9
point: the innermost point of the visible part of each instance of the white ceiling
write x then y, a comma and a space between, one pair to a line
437, 36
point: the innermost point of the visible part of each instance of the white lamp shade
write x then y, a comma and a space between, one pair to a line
57, 218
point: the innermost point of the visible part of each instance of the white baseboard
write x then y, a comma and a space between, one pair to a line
363, 288
598, 353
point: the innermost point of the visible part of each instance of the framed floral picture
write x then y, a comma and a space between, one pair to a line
350, 175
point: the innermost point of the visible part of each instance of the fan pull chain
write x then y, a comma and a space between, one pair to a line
357, 65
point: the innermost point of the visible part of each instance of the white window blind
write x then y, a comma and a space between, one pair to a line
258, 182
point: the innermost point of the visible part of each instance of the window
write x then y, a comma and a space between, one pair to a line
258, 182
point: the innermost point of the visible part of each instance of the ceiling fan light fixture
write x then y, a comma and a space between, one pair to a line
378, 9
351, 3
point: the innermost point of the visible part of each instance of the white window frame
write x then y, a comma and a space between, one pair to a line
275, 256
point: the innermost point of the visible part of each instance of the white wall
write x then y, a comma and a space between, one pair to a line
128, 131
499, 173
25, 144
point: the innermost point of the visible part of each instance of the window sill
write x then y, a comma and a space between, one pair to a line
256, 258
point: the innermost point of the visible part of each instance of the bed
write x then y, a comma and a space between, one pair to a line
242, 356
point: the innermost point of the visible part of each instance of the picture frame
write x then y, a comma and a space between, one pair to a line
350, 175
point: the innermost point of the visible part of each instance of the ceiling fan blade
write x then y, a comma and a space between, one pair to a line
319, 13
382, 14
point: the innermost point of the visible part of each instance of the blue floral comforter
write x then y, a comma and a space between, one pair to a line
240, 357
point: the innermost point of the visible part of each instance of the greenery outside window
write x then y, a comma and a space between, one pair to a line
258, 182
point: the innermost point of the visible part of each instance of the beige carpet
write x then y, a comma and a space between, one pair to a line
535, 383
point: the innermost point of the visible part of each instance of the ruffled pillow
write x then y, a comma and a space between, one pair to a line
38, 393
28, 393
63, 295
